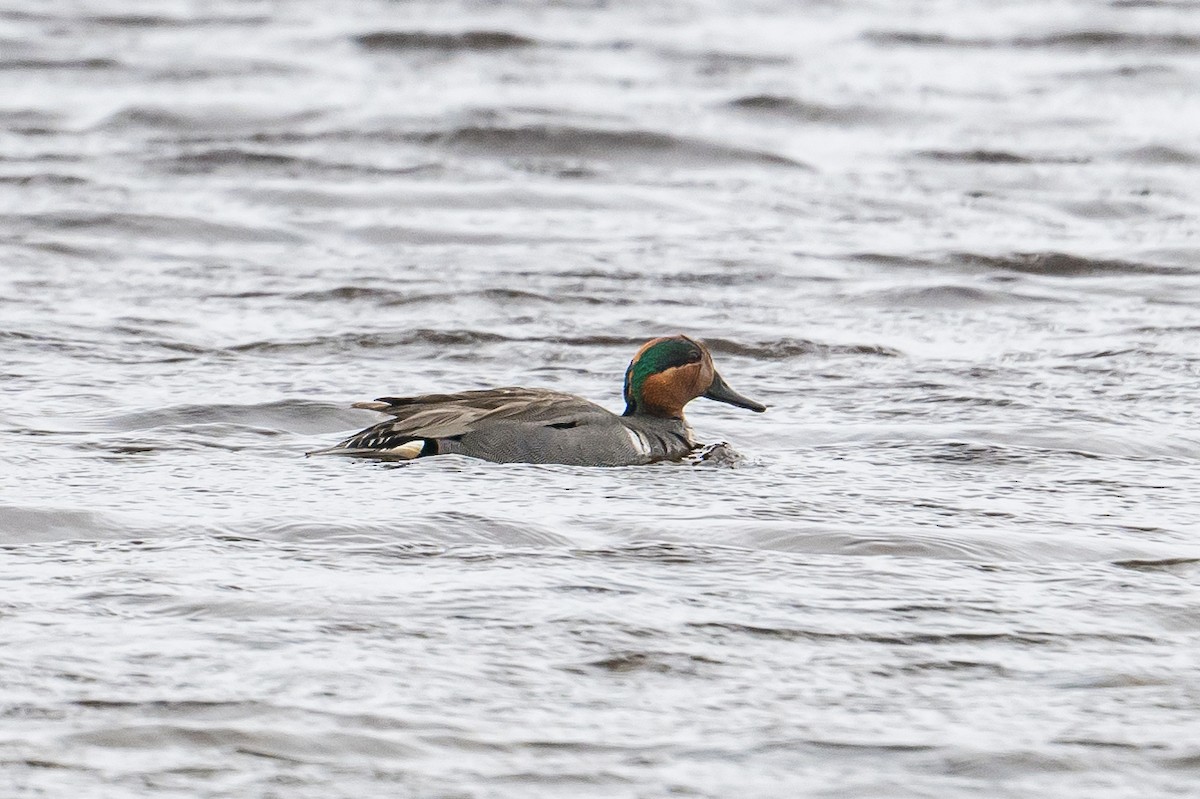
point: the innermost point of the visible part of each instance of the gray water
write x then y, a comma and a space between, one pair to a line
953, 245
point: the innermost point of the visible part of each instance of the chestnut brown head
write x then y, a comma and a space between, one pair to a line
667, 373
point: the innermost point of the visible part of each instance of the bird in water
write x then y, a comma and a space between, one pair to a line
537, 425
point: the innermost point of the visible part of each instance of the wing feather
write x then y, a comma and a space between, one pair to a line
446, 415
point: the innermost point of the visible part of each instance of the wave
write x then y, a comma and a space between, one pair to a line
529, 143
281, 744
224, 121
1071, 40
1154, 3
389, 297
566, 141
161, 226
290, 415
392, 297
965, 542
1083, 438
952, 296
713, 62
1181, 566
133, 20
1061, 264
413, 537
59, 63
997, 157
395, 234
1160, 154
44, 179
25, 525
975, 156
426, 40
799, 110
787, 348
1022, 639
771, 349
459, 196
1052, 264
18, 119
240, 160
375, 340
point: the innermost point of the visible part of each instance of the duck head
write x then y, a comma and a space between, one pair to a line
668, 373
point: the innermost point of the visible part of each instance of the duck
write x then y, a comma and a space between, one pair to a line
538, 425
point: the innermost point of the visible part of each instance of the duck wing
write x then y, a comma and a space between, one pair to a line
445, 415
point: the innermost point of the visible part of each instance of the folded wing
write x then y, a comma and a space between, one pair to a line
439, 416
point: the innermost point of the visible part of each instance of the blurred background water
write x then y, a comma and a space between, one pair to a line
952, 243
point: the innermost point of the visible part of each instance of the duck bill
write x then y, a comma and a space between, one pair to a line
721, 392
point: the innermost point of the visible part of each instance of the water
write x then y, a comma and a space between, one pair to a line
953, 246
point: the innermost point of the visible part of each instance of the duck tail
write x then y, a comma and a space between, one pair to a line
403, 451
372, 406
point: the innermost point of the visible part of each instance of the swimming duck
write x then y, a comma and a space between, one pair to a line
537, 425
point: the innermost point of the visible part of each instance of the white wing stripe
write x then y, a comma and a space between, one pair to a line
639, 441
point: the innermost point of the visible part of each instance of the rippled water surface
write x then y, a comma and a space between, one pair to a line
953, 245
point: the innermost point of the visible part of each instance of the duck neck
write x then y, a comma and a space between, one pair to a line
645, 412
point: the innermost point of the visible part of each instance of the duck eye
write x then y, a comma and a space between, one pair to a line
693, 356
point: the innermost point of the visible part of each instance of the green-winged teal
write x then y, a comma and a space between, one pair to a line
537, 425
